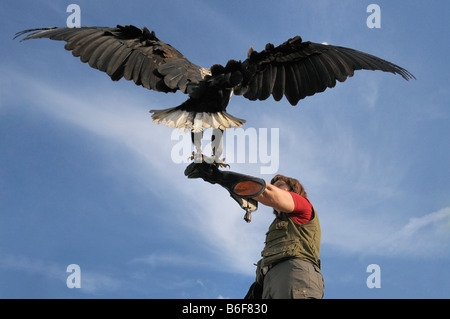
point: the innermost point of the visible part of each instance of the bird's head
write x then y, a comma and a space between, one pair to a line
233, 65
217, 69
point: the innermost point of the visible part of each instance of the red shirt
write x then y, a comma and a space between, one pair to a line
302, 212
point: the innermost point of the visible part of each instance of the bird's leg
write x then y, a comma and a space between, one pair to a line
197, 155
217, 147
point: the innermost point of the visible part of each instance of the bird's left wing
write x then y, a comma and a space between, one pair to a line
297, 69
127, 52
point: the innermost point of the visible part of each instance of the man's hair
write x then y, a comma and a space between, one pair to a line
294, 184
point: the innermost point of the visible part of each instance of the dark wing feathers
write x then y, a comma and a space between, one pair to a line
291, 85
126, 52
298, 69
294, 69
279, 82
266, 83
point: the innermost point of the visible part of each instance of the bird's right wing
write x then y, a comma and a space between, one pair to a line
127, 52
298, 69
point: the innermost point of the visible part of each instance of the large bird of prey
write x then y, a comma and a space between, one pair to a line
294, 69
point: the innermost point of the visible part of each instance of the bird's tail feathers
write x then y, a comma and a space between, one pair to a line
195, 121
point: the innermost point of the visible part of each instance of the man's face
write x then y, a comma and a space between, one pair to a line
282, 185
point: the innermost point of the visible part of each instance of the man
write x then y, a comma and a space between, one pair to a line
290, 265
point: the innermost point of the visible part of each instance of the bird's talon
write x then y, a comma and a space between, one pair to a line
222, 165
220, 162
197, 157
200, 158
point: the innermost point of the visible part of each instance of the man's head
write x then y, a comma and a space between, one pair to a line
289, 184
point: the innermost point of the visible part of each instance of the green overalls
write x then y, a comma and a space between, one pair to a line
290, 263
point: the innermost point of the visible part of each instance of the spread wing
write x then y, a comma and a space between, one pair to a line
298, 69
127, 52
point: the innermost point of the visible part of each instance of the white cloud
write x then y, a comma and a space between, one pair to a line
96, 283
424, 236
168, 259
421, 237
91, 282
439, 218
36, 266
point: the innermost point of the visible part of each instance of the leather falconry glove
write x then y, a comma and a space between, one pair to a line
241, 187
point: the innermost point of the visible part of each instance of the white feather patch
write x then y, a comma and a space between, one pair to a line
195, 121
198, 123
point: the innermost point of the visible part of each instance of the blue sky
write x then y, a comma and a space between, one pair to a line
86, 178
